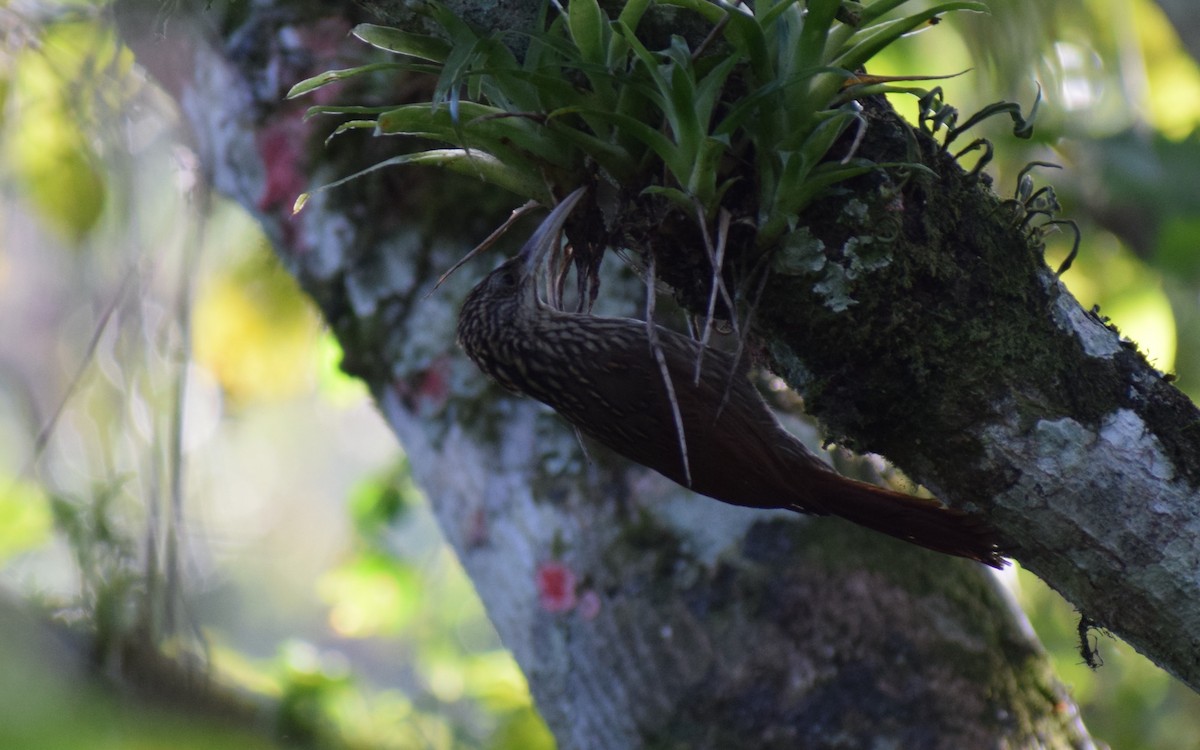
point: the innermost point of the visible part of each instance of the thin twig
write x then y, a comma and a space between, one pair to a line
716, 258
43, 436
716, 30
186, 281
741, 339
656, 347
487, 241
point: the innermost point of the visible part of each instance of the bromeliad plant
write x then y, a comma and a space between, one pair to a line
587, 94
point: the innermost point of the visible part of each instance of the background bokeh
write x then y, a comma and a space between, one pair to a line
183, 465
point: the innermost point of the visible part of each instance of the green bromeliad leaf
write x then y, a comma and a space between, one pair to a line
589, 94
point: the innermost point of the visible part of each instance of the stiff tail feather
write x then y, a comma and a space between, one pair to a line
913, 519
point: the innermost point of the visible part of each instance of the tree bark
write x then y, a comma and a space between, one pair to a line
646, 617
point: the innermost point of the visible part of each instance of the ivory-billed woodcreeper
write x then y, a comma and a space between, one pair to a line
603, 376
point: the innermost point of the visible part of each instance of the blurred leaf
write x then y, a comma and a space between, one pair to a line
522, 730
47, 151
1029, 29
332, 380
378, 502
60, 105
309, 691
51, 697
494, 679
232, 667
372, 595
1172, 96
25, 518
1178, 253
256, 332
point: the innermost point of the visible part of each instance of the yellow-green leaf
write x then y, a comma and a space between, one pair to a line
586, 22
403, 42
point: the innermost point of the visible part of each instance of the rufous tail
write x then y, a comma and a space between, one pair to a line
913, 519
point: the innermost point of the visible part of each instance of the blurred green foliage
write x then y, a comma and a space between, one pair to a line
25, 519
252, 326
47, 701
352, 618
664, 119
48, 145
1128, 702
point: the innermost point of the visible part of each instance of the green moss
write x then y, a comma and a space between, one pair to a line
951, 317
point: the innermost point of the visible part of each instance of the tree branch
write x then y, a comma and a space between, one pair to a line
641, 615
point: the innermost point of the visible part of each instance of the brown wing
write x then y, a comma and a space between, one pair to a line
737, 452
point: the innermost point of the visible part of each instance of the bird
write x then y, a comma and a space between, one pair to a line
638, 394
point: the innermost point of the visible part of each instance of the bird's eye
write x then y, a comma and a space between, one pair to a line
508, 279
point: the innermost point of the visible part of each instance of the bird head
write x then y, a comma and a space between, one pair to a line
514, 279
